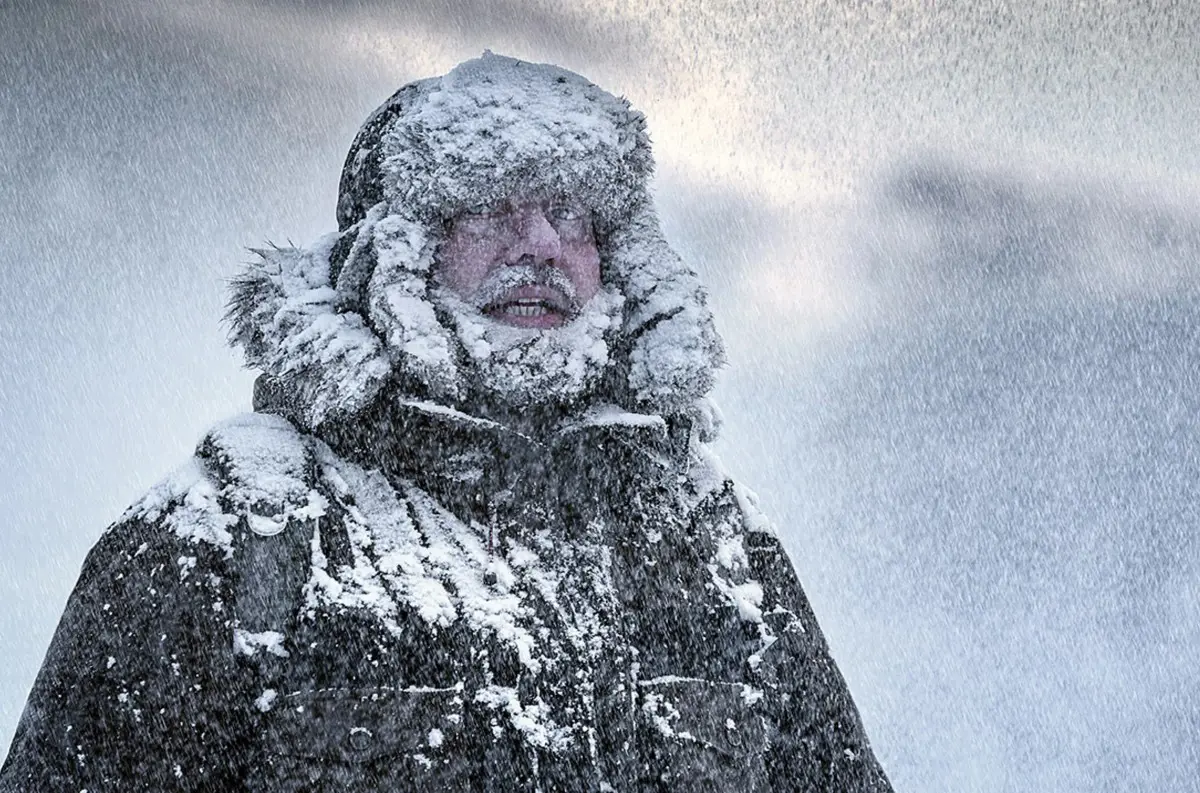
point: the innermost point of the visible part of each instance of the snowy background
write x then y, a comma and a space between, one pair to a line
953, 249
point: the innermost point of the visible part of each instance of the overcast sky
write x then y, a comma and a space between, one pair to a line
952, 248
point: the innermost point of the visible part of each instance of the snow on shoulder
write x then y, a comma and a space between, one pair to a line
252, 466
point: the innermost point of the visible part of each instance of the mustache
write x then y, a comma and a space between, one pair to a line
503, 279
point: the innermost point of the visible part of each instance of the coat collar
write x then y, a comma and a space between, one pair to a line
469, 462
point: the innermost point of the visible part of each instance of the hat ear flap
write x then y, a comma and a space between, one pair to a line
284, 314
362, 182
673, 350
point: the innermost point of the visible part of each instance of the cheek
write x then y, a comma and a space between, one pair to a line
582, 266
462, 263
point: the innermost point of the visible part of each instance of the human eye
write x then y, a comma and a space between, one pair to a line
482, 210
567, 212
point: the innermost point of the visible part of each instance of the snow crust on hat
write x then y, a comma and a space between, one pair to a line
490, 128
334, 324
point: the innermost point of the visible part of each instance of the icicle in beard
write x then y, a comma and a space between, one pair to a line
513, 368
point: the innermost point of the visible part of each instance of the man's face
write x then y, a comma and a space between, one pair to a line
526, 262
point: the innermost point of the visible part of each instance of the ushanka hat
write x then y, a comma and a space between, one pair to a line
335, 324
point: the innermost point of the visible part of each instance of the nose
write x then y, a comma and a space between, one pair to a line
533, 235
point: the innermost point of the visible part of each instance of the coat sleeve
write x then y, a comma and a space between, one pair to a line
137, 690
818, 742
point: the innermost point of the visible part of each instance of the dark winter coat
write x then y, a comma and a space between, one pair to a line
365, 587
646, 630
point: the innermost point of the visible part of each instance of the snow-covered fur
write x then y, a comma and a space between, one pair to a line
401, 595
520, 367
339, 322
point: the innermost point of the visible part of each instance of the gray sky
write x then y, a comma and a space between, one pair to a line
951, 247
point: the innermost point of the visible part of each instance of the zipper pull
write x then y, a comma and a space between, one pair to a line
489, 575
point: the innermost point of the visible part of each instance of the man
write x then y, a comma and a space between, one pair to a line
473, 538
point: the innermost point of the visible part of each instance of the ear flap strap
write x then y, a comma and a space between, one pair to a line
272, 571
268, 475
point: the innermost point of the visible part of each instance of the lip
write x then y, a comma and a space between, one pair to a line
531, 306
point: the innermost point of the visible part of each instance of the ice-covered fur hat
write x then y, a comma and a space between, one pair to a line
335, 324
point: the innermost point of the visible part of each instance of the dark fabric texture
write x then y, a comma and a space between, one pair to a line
364, 587
144, 689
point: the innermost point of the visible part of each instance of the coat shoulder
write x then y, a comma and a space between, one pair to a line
253, 467
142, 668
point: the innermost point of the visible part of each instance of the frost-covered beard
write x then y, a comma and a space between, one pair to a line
526, 367
504, 279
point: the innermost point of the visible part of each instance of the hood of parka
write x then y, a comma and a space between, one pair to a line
336, 326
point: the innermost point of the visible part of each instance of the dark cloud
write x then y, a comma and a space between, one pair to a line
941, 227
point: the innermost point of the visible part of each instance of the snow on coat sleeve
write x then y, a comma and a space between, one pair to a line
821, 743
137, 691
818, 742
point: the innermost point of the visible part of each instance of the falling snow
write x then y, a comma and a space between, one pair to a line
951, 249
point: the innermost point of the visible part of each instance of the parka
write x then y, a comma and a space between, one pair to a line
374, 583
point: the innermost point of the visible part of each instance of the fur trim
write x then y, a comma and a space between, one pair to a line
332, 325
491, 128
283, 314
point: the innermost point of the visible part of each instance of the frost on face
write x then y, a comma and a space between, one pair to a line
524, 365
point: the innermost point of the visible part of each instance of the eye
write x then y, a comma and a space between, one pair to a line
567, 212
481, 210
